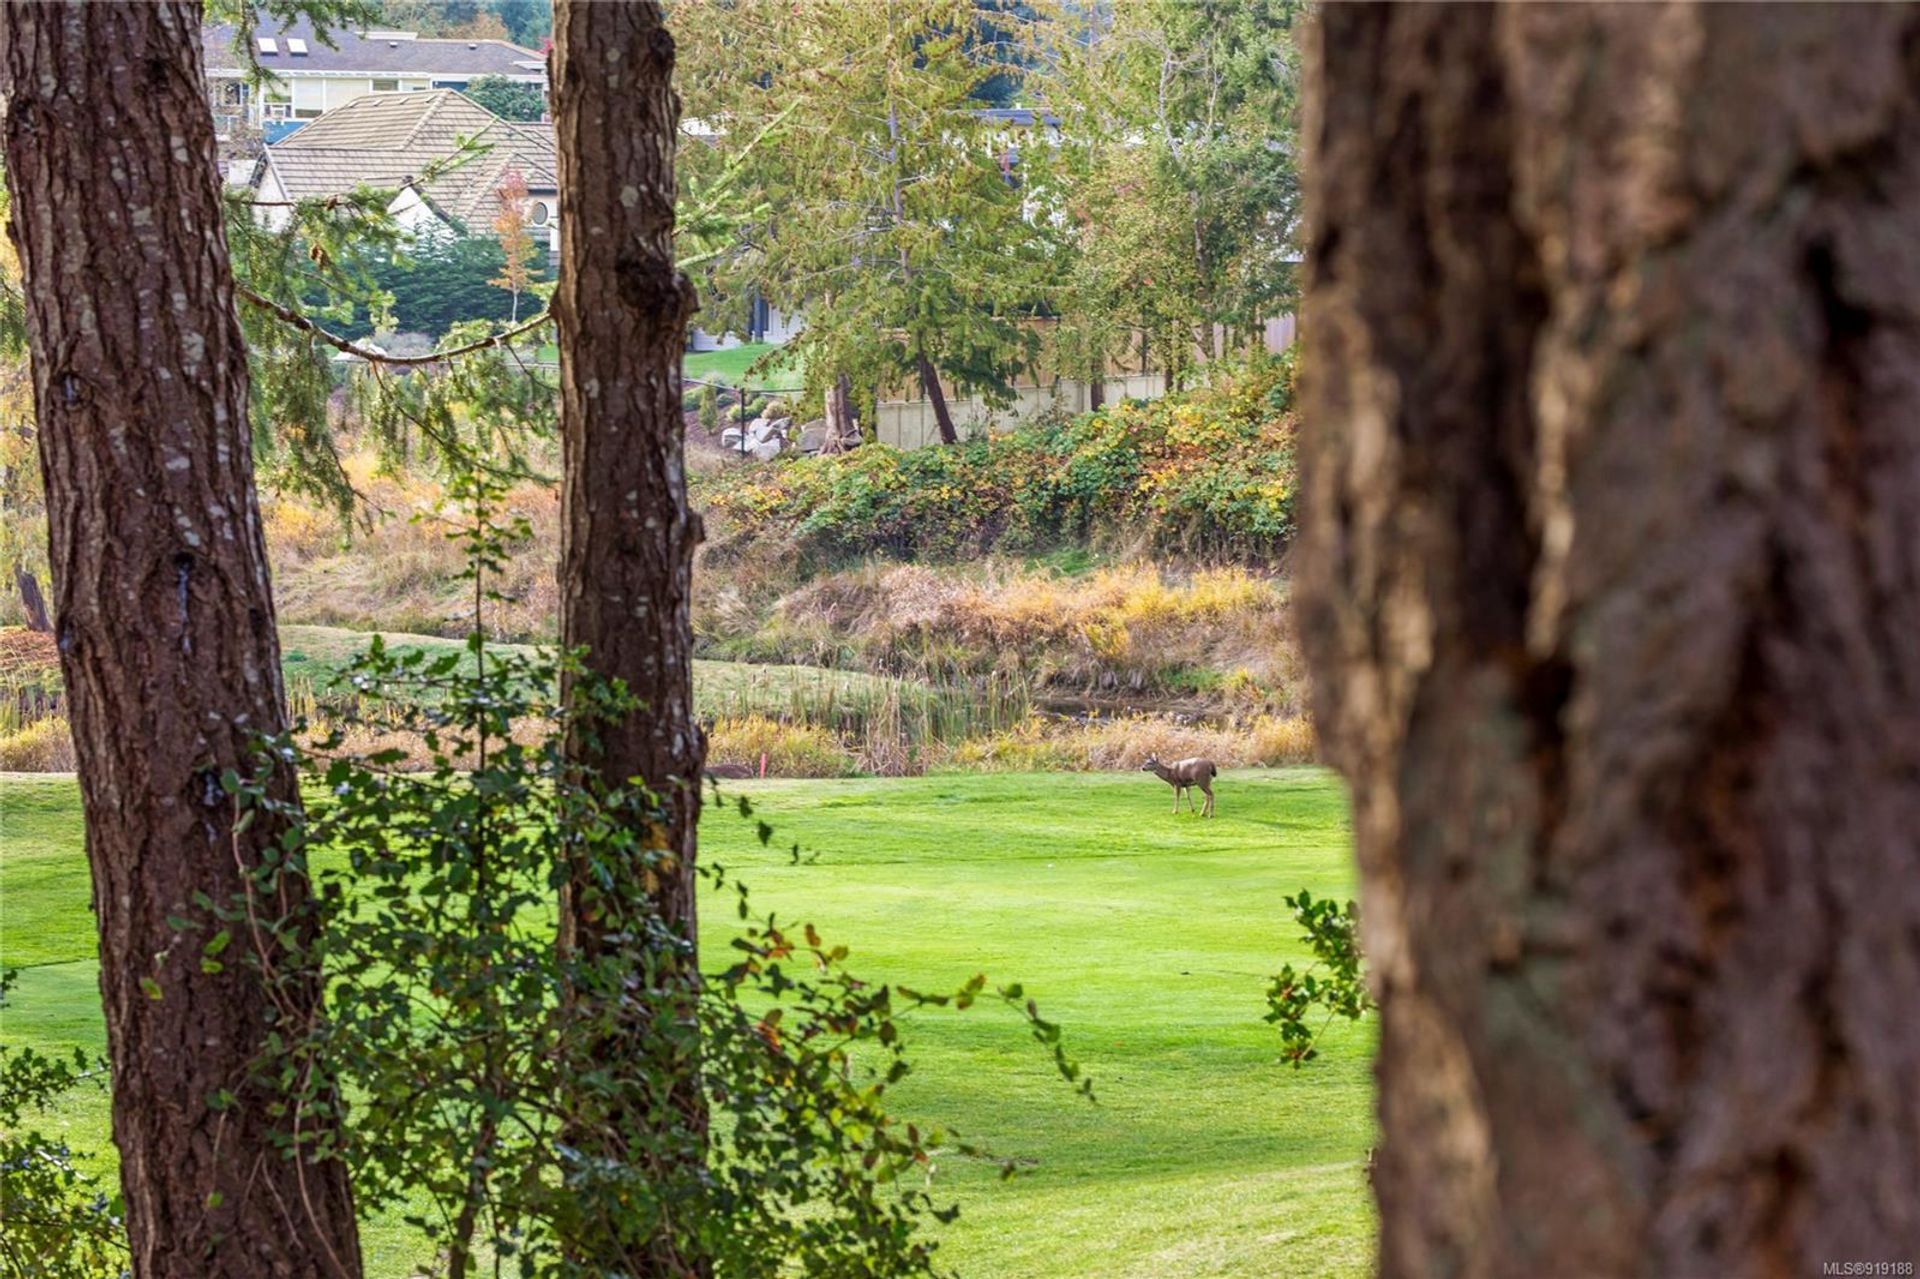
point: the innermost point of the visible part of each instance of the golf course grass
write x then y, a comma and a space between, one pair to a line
1149, 937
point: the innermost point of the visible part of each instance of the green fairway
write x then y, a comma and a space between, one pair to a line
1149, 937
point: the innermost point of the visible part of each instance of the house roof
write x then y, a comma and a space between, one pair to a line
376, 52
391, 139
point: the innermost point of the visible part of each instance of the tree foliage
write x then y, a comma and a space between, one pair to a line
59, 1221
901, 229
508, 99
1177, 171
1333, 983
452, 808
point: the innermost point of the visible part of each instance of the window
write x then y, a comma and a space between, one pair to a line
269, 45
386, 86
230, 94
279, 111
539, 213
298, 48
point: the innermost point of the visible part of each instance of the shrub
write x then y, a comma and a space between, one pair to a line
1207, 472
1051, 745
44, 746
790, 750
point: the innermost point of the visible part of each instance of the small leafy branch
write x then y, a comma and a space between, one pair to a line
1333, 982
439, 824
56, 1220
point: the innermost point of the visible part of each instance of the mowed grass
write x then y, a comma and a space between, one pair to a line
1150, 937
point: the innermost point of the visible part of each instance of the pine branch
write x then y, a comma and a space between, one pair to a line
372, 355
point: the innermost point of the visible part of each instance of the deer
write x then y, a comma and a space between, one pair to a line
1183, 776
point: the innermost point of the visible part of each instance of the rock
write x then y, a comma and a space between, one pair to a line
813, 436
767, 450
731, 437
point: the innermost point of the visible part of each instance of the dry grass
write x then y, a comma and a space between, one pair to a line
1211, 638
43, 746
767, 746
1043, 745
1222, 637
402, 571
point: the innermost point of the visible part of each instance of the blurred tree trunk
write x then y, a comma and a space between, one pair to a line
839, 413
627, 536
1610, 582
164, 615
31, 600
930, 383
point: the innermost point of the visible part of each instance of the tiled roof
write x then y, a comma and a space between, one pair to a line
388, 139
430, 123
374, 52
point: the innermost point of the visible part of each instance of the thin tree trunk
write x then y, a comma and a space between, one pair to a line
839, 413
930, 382
31, 600
1097, 386
164, 614
1610, 582
627, 535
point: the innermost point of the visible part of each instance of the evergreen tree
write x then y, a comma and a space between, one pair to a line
902, 232
508, 99
1179, 171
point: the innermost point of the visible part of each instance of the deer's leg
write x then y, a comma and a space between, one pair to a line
1208, 788
1176, 801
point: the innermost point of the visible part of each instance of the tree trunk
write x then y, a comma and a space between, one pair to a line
839, 412
1097, 386
1610, 579
34, 603
165, 620
627, 535
930, 382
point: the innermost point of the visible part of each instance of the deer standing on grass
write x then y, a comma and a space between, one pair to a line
1183, 776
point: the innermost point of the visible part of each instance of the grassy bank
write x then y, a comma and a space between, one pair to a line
770, 718
1150, 937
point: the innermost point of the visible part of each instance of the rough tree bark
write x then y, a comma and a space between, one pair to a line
1610, 582
627, 535
164, 618
930, 382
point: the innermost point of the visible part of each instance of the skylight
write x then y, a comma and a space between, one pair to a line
269, 45
298, 48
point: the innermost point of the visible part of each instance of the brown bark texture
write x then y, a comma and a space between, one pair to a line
627, 534
1610, 582
164, 618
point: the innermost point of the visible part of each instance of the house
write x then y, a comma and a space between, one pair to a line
401, 141
312, 78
